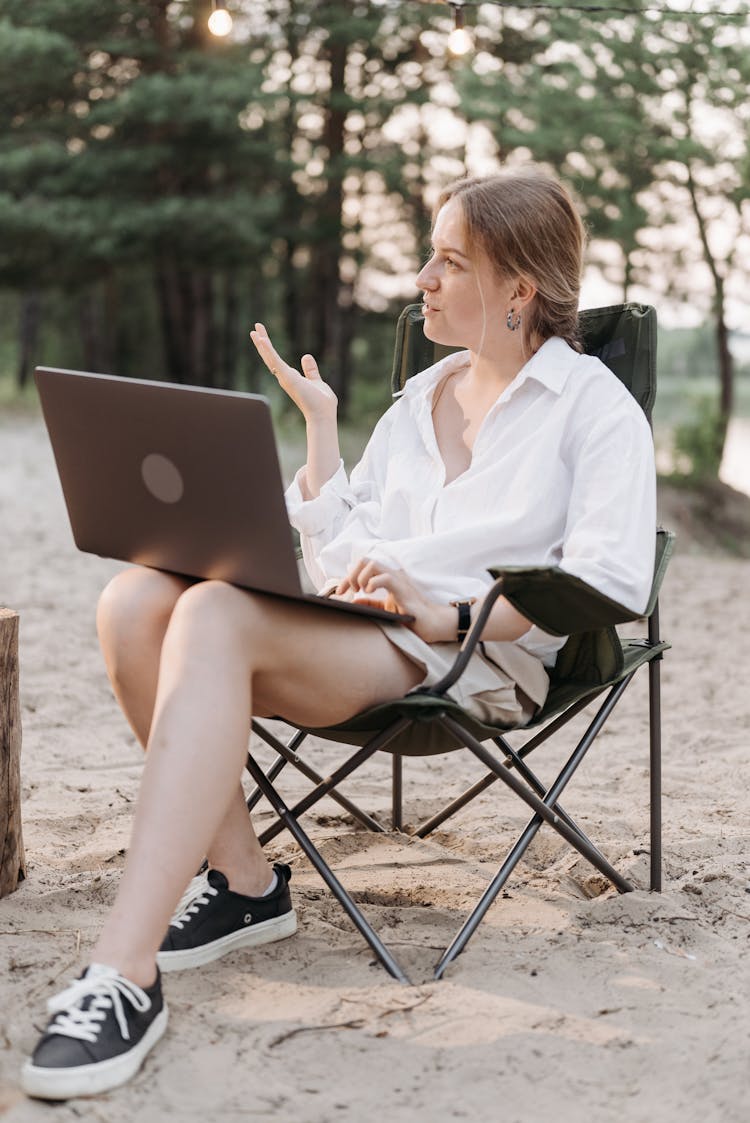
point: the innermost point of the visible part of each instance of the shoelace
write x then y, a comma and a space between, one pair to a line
108, 992
194, 907
196, 888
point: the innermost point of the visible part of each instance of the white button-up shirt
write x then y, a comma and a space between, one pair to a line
562, 473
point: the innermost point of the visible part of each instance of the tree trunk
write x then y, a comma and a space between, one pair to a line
329, 346
170, 310
291, 210
726, 361
724, 355
12, 858
230, 341
200, 323
93, 328
627, 279
28, 335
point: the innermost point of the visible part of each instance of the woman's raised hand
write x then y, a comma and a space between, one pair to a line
307, 390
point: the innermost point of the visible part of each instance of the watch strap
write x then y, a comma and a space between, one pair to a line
464, 618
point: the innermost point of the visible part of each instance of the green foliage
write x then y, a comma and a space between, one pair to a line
698, 443
161, 190
227, 176
687, 353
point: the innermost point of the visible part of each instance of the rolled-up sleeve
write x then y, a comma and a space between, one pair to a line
328, 509
346, 508
609, 538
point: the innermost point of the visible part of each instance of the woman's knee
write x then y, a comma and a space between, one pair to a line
137, 600
216, 614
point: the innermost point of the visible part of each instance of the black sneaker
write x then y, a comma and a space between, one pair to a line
219, 921
101, 1030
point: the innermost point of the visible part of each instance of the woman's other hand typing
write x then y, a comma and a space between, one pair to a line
369, 582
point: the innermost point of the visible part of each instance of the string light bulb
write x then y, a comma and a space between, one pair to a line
219, 22
459, 40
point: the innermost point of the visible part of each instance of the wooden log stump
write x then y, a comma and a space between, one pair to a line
12, 858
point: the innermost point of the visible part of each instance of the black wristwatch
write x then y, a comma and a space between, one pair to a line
464, 617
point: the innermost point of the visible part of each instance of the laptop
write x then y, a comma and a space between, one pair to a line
180, 478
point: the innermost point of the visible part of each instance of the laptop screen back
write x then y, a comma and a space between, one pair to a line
180, 478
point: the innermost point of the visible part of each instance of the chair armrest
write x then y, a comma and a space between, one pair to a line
562, 604
558, 602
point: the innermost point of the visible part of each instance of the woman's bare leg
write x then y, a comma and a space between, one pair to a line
220, 645
132, 619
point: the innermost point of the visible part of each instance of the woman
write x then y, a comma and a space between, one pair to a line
518, 450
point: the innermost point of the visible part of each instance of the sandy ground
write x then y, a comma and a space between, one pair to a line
569, 1003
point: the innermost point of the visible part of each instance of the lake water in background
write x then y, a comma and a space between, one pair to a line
735, 465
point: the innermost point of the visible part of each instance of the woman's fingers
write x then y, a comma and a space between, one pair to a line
308, 390
359, 574
273, 359
310, 367
266, 350
367, 576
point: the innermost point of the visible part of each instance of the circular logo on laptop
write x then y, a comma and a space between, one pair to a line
162, 478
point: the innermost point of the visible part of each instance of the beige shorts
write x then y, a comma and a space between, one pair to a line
502, 683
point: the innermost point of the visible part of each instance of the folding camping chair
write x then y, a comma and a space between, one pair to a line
593, 661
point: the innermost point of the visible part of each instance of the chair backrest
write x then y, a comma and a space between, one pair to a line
623, 336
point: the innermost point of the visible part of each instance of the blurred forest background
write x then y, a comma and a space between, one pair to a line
162, 189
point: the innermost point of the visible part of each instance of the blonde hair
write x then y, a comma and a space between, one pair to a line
527, 224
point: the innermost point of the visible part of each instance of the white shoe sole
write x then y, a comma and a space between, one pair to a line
90, 1080
278, 928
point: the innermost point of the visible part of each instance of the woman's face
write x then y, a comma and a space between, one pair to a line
465, 303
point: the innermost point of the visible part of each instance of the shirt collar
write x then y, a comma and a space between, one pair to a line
551, 365
427, 379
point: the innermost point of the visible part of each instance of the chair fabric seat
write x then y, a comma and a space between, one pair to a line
428, 737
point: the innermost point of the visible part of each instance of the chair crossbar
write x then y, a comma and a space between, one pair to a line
288, 755
513, 759
326, 786
429, 825
516, 760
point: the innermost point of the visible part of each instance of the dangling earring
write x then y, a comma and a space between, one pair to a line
513, 322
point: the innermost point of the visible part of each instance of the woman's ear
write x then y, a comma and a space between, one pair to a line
524, 292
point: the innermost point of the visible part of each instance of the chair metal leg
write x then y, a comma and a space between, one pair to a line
654, 700
462, 938
397, 820
534, 782
544, 812
429, 825
289, 820
544, 807
514, 759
